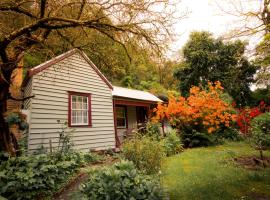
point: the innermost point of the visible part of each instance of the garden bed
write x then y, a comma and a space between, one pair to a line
253, 162
74, 184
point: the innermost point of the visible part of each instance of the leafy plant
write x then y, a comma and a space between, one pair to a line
13, 118
65, 144
17, 117
28, 177
153, 130
229, 133
260, 127
145, 152
121, 181
172, 143
192, 138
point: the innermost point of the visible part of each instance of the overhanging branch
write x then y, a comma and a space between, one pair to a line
17, 9
20, 99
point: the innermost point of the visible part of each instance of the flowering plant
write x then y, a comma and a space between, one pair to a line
245, 116
204, 110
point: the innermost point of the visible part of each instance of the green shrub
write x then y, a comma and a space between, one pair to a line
145, 152
260, 129
153, 130
230, 134
192, 138
121, 181
29, 177
172, 143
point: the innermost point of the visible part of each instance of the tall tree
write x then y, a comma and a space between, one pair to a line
28, 24
209, 59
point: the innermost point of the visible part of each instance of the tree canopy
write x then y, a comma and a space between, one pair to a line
206, 58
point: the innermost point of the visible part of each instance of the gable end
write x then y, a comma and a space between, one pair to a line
61, 57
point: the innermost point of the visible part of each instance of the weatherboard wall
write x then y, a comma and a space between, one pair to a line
50, 104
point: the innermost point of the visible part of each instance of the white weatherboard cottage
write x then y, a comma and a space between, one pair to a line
71, 88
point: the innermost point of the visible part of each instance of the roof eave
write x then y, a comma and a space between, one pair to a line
134, 99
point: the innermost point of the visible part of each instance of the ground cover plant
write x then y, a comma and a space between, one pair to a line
211, 173
120, 181
35, 176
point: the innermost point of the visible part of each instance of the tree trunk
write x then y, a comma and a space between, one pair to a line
261, 155
8, 141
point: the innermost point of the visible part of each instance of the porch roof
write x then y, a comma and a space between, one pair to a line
134, 94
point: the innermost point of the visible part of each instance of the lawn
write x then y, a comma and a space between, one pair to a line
210, 173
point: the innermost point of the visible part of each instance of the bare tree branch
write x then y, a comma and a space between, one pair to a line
81, 9
42, 8
17, 9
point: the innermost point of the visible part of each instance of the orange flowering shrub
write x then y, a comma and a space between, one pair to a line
202, 110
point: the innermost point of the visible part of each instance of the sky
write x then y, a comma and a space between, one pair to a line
207, 15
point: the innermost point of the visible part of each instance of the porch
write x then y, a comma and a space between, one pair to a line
131, 111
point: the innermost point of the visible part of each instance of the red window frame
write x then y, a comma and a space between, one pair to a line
126, 116
88, 95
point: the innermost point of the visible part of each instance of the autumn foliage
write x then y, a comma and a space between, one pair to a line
204, 110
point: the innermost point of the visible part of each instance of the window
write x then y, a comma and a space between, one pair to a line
79, 112
121, 117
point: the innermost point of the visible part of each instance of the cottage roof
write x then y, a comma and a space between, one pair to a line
57, 59
134, 94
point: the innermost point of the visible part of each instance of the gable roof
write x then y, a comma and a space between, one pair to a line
61, 57
134, 94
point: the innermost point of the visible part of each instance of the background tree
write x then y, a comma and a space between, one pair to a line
26, 25
253, 20
208, 59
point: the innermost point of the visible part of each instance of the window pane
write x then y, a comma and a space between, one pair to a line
73, 117
79, 117
79, 102
85, 117
79, 98
85, 103
73, 102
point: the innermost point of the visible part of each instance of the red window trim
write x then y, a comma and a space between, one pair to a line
70, 93
126, 116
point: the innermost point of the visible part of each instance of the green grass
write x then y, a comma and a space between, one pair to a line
210, 174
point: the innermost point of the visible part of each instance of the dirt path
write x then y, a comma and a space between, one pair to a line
74, 184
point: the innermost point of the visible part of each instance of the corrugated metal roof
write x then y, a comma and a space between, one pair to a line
134, 94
